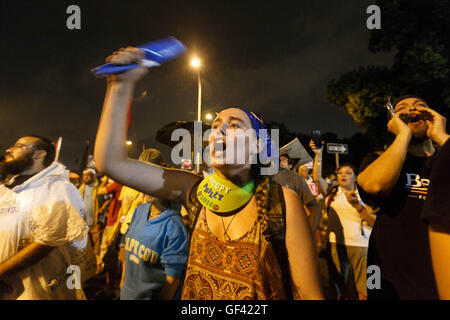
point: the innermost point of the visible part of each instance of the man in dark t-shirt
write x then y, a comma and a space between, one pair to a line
294, 181
287, 178
436, 213
397, 181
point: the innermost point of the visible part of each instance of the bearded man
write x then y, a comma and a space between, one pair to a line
397, 181
43, 235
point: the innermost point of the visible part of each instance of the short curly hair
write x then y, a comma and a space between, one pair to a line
47, 145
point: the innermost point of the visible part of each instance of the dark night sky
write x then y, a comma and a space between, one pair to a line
273, 57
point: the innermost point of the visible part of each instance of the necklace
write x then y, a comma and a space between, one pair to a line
225, 233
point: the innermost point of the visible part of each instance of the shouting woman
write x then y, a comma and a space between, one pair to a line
250, 237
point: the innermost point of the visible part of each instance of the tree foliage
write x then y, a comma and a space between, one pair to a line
418, 32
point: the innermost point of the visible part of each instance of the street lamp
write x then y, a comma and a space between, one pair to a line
208, 116
195, 62
129, 142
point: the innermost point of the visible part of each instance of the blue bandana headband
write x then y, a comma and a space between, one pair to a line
258, 125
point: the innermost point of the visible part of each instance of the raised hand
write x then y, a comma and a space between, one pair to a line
316, 150
436, 126
397, 126
128, 55
352, 197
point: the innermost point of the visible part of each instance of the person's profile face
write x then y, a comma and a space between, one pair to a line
284, 162
20, 156
23, 146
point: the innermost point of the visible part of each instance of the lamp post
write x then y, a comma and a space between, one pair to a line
195, 62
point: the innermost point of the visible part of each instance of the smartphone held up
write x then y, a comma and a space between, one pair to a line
316, 138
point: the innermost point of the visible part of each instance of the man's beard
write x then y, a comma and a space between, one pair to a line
417, 139
18, 165
419, 135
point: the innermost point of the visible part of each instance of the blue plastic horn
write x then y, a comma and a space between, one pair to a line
156, 53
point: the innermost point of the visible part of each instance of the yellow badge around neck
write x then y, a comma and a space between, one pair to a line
221, 195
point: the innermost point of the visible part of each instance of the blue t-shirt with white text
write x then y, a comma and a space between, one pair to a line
153, 248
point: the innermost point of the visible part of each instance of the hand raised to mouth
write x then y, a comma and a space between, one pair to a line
436, 124
415, 117
426, 115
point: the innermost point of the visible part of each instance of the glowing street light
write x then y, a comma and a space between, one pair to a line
195, 62
129, 142
208, 116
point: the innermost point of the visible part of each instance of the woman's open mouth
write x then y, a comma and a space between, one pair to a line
219, 145
218, 148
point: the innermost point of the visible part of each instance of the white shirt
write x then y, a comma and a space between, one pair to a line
46, 209
88, 204
350, 230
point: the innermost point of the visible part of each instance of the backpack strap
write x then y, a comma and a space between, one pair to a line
276, 233
331, 196
194, 207
276, 213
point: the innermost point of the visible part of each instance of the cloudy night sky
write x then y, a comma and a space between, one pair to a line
273, 57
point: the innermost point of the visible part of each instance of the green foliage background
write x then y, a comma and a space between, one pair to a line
418, 31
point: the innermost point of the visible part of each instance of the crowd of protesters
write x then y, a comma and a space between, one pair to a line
140, 229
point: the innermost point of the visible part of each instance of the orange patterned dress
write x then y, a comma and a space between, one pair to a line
242, 269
